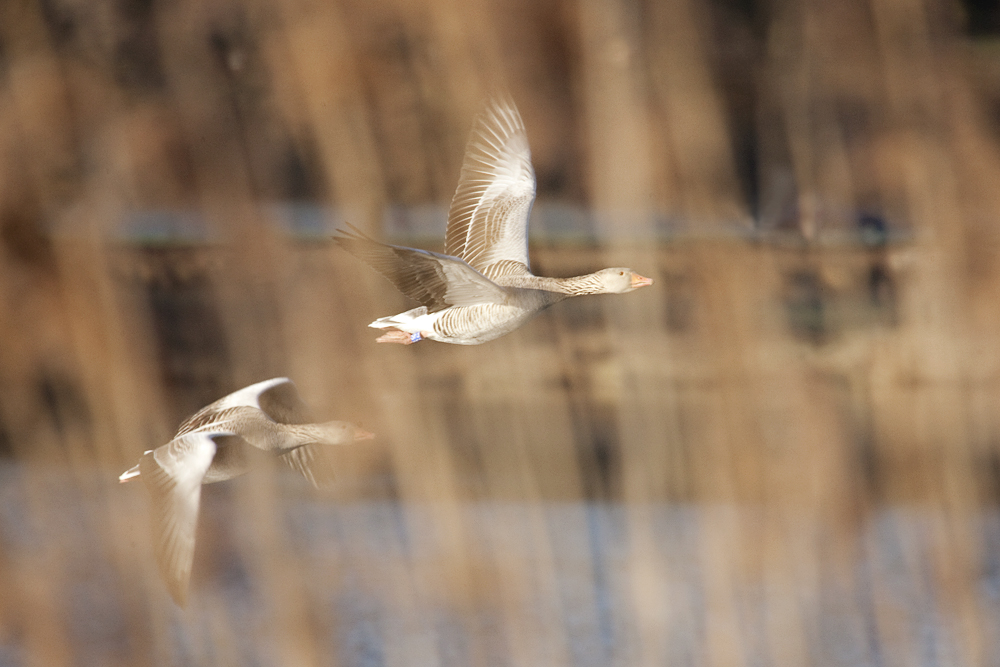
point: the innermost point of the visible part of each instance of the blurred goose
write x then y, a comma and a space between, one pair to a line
218, 443
481, 288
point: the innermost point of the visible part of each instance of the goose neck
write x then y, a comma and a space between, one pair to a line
577, 285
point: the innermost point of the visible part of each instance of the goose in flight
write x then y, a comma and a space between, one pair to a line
481, 287
220, 442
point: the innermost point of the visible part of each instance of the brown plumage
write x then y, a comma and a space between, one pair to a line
220, 442
482, 287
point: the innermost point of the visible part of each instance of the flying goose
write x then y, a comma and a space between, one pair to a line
219, 442
481, 288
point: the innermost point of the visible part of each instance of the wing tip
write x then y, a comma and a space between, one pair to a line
352, 233
264, 385
501, 109
179, 592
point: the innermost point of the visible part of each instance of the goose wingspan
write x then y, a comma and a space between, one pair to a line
488, 218
434, 280
173, 474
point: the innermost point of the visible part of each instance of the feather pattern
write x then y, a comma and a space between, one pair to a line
310, 461
433, 280
481, 288
219, 442
488, 218
248, 397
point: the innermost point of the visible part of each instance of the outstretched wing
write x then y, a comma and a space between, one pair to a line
436, 281
313, 462
488, 219
246, 397
173, 474
282, 403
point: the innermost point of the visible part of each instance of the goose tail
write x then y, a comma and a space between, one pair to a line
399, 321
129, 474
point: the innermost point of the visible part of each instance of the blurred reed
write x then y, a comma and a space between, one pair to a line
785, 452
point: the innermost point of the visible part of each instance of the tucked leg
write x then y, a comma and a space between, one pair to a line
397, 336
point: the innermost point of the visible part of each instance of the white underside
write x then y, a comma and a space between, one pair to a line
412, 321
476, 324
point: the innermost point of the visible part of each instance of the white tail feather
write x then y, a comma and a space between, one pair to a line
399, 320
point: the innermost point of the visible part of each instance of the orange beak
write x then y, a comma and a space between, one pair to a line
640, 281
361, 434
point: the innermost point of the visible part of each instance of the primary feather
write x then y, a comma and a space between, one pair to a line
488, 218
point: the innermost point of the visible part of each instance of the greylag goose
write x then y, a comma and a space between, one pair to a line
482, 287
219, 442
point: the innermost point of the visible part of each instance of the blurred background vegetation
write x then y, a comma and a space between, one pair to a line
786, 452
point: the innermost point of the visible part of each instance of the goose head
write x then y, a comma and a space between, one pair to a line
618, 280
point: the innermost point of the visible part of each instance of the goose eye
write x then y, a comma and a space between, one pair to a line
621, 273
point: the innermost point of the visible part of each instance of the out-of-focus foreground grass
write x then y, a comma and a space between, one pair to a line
787, 451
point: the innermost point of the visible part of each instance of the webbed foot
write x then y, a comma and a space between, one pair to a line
397, 336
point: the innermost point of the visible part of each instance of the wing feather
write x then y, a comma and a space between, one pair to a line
246, 397
173, 474
313, 463
282, 403
434, 280
488, 218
